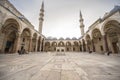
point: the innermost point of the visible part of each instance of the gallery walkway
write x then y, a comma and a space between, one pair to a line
57, 66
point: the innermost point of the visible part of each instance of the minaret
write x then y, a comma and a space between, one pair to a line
81, 24
41, 17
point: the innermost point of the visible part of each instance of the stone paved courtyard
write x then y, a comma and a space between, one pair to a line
59, 66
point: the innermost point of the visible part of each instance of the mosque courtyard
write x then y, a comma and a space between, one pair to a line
59, 66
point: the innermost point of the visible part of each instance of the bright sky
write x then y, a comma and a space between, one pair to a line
62, 16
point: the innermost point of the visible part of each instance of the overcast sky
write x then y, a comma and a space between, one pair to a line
62, 16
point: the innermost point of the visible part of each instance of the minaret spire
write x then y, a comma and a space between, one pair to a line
81, 24
42, 5
41, 17
81, 15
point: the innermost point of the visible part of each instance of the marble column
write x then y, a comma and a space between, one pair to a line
36, 46
40, 45
4, 43
105, 43
118, 44
43, 46
93, 46
30, 44
17, 43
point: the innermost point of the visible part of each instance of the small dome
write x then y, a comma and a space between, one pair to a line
54, 38
49, 38
67, 38
74, 38
61, 38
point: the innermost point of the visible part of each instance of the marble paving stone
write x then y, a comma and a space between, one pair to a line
54, 75
69, 75
56, 66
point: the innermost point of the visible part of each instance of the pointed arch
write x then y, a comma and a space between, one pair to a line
112, 36
61, 44
39, 43
34, 42
25, 39
68, 46
97, 41
10, 31
75, 46
54, 45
